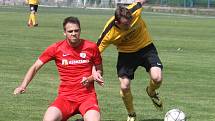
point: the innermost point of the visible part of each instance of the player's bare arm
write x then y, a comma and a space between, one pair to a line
97, 72
28, 77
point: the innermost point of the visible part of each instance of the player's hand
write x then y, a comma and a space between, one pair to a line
98, 78
19, 90
85, 82
100, 81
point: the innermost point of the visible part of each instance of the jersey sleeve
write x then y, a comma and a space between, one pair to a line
104, 43
136, 9
105, 37
48, 54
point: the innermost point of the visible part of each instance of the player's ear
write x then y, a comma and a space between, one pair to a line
64, 33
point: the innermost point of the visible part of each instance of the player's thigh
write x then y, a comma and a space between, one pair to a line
65, 107
126, 65
91, 103
52, 114
92, 115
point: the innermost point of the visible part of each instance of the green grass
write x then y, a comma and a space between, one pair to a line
185, 45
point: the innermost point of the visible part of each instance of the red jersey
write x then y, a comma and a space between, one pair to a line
73, 64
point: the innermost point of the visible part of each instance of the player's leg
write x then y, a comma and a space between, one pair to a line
89, 109
125, 92
92, 115
154, 66
155, 80
32, 17
126, 67
52, 114
30, 22
60, 110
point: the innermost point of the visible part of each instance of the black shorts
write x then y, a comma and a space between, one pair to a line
128, 62
33, 7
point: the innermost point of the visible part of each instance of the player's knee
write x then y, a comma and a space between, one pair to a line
125, 88
51, 119
156, 75
92, 115
157, 79
124, 84
52, 114
47, 119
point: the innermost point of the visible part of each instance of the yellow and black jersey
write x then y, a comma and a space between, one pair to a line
33, 2
132, 40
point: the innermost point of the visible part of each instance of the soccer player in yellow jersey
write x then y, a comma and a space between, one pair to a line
128, 32
32, 21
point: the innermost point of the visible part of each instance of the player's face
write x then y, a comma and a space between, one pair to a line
124, 23
72, 33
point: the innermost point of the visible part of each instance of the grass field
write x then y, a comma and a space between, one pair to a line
185, 45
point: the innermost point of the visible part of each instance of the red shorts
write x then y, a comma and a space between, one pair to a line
69, 108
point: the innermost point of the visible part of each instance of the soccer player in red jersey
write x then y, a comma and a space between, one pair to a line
75, 59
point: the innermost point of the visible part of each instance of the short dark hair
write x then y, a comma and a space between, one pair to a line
122, 11
71, 19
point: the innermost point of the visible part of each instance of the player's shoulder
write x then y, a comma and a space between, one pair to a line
89, 43
60, 42
110, 27
57, 44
